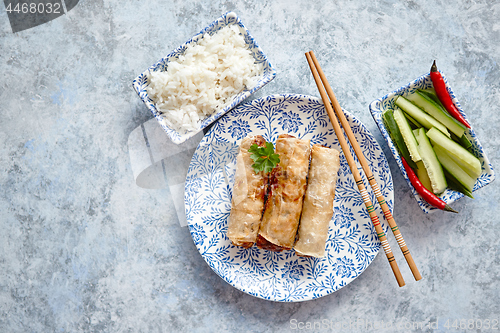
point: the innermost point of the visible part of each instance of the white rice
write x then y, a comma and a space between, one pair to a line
203, 79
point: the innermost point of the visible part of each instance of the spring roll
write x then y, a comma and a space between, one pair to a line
317, 209
247, 203
287, 186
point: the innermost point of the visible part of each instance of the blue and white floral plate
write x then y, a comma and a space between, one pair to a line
377, 108
352, 242
141, 82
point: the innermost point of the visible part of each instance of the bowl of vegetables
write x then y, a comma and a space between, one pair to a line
432, 142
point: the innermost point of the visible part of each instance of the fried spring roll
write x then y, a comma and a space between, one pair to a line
247, 203
287, 186
317, 209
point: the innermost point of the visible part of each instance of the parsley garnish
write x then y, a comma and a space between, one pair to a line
265, 159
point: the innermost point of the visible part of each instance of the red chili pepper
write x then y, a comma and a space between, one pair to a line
428, 196
444, 96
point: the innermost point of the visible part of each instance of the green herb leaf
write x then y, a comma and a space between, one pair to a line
265, 159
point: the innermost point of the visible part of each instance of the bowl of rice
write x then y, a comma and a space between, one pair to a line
204, 78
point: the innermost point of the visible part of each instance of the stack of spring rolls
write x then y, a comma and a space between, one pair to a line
291, 207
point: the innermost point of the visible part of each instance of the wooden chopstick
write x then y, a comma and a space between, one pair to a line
368, 172
352, 164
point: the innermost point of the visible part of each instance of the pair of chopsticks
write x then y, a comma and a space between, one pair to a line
321, 81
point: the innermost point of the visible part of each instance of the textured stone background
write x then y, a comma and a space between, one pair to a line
82, 248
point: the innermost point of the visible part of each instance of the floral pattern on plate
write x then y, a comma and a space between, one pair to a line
352, 241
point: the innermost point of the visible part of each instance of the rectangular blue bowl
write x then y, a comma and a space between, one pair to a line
377, 108
140, 83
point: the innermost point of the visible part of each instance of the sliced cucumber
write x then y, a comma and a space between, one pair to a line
431, 93
420, 116
423, 176
455, 185
454, 169
438, 112
397, 138
463, 141
460, 155
431, 162
407, 134
413, 123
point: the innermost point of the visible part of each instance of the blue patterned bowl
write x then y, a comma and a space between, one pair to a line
377, 108
141, 82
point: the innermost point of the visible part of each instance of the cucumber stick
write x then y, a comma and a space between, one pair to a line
463, 140
455, 185
412, 122
407, 134
397, 138
435, 110
423, 176
431, 162
460, 155
454, 169
431, 93
420, 116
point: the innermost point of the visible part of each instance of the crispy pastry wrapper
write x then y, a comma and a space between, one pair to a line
287, 187
247, 203
317, 209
